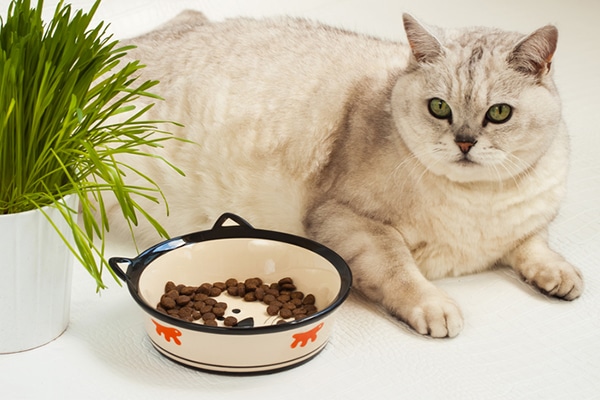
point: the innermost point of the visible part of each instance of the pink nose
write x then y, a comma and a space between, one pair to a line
465, 146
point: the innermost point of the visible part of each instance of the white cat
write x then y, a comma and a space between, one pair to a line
443, 157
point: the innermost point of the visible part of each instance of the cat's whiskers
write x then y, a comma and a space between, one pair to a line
510, 173
411, 160
520, 169
432, 165
494, 168
435, 151
403, 169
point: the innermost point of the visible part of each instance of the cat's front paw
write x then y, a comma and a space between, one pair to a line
435, 315
559, 279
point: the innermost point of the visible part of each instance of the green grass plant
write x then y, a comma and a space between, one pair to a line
66, 119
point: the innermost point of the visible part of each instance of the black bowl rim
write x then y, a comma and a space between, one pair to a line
137, 265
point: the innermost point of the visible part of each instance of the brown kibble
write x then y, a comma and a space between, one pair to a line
259, 293
285, 313
208, 316
231, 282
174, 312
284, 298
200, 297
241, 289
289, 305
250, 296
285, 280
211, 322
281, 322
170, 286
272, 292
297, 295
196, 315
288, 287
220, 285
206, 308
187, 290
210, 301
268, 299
167, 302
218, 311
172, 294
185, 313
215, 292
276, 303
273, 310
274, 286
296, 302
252, 284
230, 321
299, 310
221, 304
204, 288
309, 299
233, 291
182, 300
310, 307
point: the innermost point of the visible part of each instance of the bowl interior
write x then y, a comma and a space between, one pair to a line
242, 258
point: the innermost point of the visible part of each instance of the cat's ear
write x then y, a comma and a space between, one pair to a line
533, 55
423, 43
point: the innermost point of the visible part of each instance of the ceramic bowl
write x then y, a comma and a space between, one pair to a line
238, 251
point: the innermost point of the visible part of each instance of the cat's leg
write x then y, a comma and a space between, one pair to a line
545, 269
384, 270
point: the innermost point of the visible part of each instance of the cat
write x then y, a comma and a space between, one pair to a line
443, 156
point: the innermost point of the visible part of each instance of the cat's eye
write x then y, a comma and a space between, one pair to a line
499, 113
439, 108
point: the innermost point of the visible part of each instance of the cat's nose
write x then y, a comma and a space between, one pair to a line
464, 144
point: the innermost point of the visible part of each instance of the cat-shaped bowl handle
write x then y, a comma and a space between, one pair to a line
219, 223
114, 262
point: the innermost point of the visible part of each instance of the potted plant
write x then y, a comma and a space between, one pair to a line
66, 117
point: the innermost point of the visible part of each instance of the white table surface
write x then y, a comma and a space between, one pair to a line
516, 344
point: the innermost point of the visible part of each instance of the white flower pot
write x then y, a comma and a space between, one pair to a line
35, 279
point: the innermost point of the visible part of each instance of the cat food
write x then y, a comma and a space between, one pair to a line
198, 303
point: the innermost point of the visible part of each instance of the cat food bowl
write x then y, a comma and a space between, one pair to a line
260, 342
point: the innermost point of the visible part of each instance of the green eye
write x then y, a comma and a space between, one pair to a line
440, 109
499, 113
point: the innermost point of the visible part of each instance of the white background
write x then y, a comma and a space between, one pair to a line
516, 344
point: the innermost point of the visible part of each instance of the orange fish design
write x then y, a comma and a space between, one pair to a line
169, 333
304, 337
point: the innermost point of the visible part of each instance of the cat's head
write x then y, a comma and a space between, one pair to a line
477, 104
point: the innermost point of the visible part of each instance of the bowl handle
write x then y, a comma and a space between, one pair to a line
235, 218
114, 265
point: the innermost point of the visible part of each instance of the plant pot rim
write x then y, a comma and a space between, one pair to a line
66, 199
